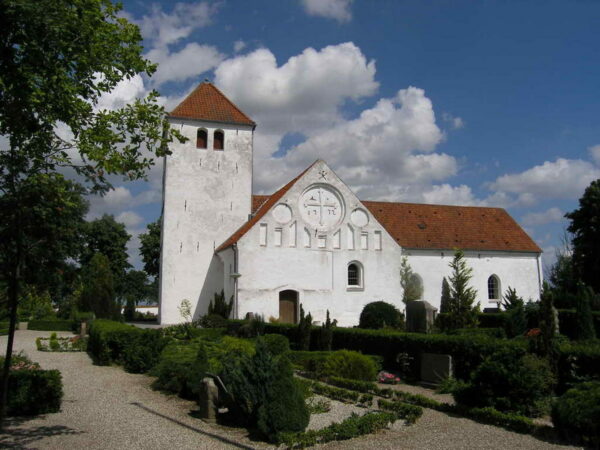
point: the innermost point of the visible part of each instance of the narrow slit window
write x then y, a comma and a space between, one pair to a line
263, 234
364, 240
377, 236
278, 237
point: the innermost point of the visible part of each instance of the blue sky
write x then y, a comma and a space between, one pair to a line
491, 103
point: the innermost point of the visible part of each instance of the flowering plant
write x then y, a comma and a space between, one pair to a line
534, 332
387, 378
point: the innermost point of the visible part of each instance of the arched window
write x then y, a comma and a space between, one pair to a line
219, 140
493, 288
355, 275
201, 138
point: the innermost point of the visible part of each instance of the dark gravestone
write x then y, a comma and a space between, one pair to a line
208, 401
435, 368
420, 316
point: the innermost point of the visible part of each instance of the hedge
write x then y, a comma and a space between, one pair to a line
410, 413
51, 325
33, 392
578, 361
567, 322
108, 340
352, 427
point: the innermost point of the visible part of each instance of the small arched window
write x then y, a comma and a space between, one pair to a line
219, 140
493, 288
355, 275
201, 138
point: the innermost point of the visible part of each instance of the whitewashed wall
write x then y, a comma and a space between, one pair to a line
318, 274
521, 271
206, 197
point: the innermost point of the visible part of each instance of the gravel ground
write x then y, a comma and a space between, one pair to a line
338, 412
107, 408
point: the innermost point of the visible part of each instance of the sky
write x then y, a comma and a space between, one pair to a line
489, 103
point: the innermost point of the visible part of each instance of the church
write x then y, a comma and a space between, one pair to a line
312, 242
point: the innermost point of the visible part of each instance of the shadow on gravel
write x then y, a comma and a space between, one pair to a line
189, 427
21, 438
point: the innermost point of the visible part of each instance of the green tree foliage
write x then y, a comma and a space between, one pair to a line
219, 306
549, 327
445, 300
462, 313
109, 237
58, 59
304, 330
562, 276
585, 320
326, 334
411, 288
576, 415
35, 305
516, 323
98, 294
381, 314
511, 300
150, 248
585, 228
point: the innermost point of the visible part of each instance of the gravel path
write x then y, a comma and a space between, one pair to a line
107, 408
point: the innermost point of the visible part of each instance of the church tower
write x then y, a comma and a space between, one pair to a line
207, 195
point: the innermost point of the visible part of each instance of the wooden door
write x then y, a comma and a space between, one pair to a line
288, 306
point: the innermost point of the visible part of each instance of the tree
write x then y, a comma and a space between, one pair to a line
411, 288
516, 323
380, 314
150, 248
98, 294
585, 227
511, 300
445, 300
219, 306
585, 320
562, 276
58, 59
461, 310
304, 330
109, 237
135, 288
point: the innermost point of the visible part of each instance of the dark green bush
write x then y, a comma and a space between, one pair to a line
577, 362
212, 321
180, 369
380, 314
108, 340
410, 413
276, 343
350, 364
567, 320
261, 388
33, 392
50, 325
143, 350
496, 333
508, 382
355, 385
576, 415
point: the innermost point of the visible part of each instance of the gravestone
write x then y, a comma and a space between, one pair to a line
209, 400
435, 367
420, 316
83, 330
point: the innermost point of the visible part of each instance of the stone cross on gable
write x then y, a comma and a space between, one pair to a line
319, 201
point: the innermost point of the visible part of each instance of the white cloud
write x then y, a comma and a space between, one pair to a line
595, 153
302, 95
129, 218
238, 46
126, 91
541, 218
167, 28
455, 122
331, 9
563, 178
189, 62
119, 199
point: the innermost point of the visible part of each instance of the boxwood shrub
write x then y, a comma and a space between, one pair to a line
51, 325
33, 392
108, 340
576, 415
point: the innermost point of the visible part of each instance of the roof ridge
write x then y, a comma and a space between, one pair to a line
236, 107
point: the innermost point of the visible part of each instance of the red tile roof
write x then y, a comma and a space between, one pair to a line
426, 227
206, 102
267, 202
419, 226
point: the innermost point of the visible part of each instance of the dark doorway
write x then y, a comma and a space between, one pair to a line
288, 306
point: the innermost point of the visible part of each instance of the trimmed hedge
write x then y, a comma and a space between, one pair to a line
410, 413
578, 361
33, 392
352, 427
108, 340
51, 325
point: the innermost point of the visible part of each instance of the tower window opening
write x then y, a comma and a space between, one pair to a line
201, 138
219, 140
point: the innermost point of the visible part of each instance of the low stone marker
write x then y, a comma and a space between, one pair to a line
209, 401
420, 316
435, 367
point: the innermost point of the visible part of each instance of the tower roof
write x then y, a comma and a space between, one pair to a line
206, 102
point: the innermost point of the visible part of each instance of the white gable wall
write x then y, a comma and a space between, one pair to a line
206, 197
318, 274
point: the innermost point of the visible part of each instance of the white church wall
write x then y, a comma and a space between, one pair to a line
521, 271
206, 197
318, 271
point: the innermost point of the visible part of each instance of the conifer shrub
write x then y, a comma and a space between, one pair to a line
304, 330
509, 382
142, 351
349, 364
212, 321
276, 343
180, 369
583, 313
263, 393
576, 414
218, 305
376, 315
